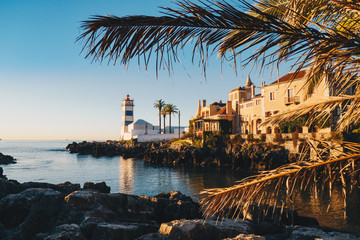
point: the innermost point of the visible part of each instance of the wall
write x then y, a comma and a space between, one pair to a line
156, 137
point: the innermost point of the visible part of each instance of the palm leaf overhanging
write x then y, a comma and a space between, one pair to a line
320, 35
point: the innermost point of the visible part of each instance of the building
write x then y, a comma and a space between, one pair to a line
247, 111
140, 129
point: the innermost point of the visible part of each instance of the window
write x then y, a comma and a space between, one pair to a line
275, 112
272, 96
258, 102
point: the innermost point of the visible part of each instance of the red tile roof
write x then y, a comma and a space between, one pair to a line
290, 77
221, 111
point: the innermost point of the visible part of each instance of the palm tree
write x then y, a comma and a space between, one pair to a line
164, 113
170, 109
321, 35
159, 104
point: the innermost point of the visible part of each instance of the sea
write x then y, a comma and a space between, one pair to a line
49, 161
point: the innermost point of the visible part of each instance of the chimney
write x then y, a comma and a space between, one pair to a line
204, 102
228, 107
220, 101
252, 91
263, 83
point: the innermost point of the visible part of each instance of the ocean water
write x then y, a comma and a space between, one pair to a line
48, 161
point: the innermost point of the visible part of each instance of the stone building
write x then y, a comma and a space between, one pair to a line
247, 111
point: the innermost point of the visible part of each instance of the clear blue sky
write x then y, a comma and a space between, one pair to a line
49, 91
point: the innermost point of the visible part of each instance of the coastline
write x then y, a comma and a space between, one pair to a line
67, 211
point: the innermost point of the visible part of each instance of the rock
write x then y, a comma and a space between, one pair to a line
124, 231
316, 233
8, 187
66, 187
6, 159
2, 173
246, 237
200, 229
64, 232
153, 236
83, 199
100, 187
30, 212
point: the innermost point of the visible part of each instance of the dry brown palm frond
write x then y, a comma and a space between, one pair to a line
322, 111
279, 185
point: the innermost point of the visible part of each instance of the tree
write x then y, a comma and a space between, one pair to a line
321, 35
170, 109
159, 104
164, 113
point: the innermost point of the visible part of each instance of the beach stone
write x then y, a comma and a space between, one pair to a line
200, 229
31, 211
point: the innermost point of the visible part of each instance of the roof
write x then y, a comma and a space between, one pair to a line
290, 77
141, 122
221, 111
219, 104
237, 89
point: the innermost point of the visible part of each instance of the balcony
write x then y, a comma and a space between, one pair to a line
291, 100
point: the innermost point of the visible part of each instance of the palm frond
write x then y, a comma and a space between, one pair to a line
275, 187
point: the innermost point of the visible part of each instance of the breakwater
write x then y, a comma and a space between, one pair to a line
253, 156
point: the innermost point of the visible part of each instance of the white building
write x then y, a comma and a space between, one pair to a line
142, 130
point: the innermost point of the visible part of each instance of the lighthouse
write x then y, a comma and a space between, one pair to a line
127, 115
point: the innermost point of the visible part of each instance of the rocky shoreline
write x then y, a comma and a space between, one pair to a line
68, 211
6, 159
252, 157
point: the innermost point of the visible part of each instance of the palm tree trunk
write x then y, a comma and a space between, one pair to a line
164, 124
159, 121
170, 123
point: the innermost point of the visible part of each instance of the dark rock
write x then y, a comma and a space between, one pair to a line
66, 187
64, 232
8, 187
30, 212
100, 187
153, 236
6, 159
125, 231
200, 229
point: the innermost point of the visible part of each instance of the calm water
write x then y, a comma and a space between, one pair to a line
47, 161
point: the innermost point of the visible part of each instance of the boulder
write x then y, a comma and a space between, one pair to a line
124, 231
30, 212
100, 187
66, 187
63, 232
246, 237
200, 229
316, 233
8, 187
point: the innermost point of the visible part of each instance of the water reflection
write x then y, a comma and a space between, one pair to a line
126, 175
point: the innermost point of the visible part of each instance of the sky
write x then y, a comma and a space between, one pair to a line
49, 91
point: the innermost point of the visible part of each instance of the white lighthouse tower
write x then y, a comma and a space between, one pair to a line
127, 115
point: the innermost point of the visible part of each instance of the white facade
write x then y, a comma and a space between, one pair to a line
144, 131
